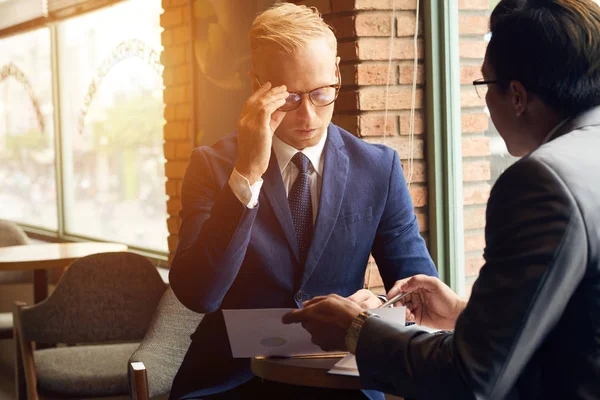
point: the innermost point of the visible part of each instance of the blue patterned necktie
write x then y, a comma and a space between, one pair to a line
301, 206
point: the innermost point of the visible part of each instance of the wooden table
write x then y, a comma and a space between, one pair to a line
41, 257
303, 372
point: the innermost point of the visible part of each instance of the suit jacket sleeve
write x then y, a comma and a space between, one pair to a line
399, 249
536, 249
213, 238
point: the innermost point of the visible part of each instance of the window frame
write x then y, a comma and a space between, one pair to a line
444, 153
60, 235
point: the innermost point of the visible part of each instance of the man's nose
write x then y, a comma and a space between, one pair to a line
306, 110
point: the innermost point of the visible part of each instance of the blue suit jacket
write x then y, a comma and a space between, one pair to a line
232, 257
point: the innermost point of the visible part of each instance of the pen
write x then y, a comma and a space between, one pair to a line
394, 300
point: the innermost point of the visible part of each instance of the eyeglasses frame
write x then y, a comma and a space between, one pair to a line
336, 86
482, 81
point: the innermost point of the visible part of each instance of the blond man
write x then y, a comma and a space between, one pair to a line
287, 208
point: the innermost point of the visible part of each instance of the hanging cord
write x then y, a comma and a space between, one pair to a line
413, 100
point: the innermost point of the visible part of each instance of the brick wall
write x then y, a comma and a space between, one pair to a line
363, 28
176, 58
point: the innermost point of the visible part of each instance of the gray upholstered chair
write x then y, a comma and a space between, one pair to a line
154, 364
107, 297
11, 234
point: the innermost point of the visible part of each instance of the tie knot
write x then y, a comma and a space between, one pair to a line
301, 161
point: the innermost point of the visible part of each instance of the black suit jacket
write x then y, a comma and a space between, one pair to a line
531, 329
232, 257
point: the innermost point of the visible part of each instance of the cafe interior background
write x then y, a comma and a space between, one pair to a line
102, 102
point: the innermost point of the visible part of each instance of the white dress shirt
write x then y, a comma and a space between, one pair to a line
554, 130
248, 194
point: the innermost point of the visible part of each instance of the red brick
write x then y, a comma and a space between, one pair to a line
474, 242
375, 74
373, 125
346, 101
173, 55
348, 51
473, 265
175, 169
344, 27
173, 240
472, 49
182, 75
475, 146
470, 98
406, 73
169, 112
166, 37
183, 150
174, 94
476, 171
373, 24
171, 188
476, 193
399, 98
473, 24
419, 172
473, 4
173, 224
423, 221
183, 111
401, 144
379, 49
419, 123
473, 123
182, 34
168, 76
419, 196
176, 130
169, 150
469, 73
171, 17
474, 218
173, 206
406, 23
348, 122
323, 6
352, 5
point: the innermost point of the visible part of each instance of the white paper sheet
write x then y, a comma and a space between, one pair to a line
261, 333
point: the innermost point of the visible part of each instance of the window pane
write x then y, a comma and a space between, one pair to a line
112, 124
27, 179
485, 156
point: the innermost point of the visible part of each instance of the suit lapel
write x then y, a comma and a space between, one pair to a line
335, 172
274, 191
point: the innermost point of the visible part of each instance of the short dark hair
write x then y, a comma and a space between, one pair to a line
552, 47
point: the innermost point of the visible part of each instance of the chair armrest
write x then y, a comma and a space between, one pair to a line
138, 381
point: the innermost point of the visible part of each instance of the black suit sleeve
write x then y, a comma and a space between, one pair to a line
213, 238
536, 255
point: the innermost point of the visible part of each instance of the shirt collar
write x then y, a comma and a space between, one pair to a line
554, 130
284, 153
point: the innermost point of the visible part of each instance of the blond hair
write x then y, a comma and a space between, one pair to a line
289, 27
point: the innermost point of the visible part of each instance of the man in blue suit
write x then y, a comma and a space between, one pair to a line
288, 208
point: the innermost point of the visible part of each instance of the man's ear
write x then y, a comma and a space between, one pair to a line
520, 98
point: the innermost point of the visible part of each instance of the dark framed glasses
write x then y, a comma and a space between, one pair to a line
319, 97
481, 86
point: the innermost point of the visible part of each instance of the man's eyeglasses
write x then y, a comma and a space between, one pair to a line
481, 92
319, 97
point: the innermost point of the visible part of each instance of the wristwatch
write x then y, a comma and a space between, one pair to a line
354, 330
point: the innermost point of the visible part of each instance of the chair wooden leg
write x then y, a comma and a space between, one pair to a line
20, 384
138, 381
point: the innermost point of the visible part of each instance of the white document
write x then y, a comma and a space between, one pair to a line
347, 365
260, 332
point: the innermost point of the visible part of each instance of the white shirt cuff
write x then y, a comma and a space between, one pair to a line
240, 186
